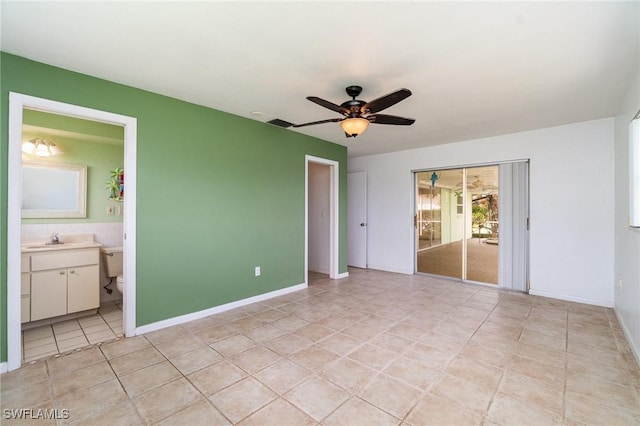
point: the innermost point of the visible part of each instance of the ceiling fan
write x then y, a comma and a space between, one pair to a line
358, 114
476, 184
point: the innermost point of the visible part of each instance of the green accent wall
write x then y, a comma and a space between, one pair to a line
217, 194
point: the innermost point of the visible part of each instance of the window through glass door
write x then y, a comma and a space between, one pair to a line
457, 223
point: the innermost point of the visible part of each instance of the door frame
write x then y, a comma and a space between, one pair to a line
334, 216
17, 103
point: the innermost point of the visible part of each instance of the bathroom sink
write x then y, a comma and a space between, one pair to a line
42, 245
67, 242
60, 246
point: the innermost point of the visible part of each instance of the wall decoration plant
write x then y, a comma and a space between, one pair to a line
115, 184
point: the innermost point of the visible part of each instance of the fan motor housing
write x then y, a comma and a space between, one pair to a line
355, 106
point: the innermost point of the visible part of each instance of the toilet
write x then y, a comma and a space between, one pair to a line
113, 265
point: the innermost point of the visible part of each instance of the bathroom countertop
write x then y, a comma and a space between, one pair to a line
67, 242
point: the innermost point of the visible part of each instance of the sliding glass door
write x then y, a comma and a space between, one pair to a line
457, 223
440, 226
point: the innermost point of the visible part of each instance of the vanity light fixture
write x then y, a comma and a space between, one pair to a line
41, 147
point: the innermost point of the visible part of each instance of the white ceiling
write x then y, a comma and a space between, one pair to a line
476, 69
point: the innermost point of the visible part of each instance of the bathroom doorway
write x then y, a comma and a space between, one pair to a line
19, 107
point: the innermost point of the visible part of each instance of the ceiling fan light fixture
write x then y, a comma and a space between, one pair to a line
352, 121
354, 126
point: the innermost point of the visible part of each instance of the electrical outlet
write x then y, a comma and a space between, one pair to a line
110, 211
120, 210
619, 281
258, 272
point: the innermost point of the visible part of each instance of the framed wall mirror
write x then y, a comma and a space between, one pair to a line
54, 190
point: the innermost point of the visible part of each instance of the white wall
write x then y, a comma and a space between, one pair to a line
627, 240
107, 234
319, 195
453, 223
572, 204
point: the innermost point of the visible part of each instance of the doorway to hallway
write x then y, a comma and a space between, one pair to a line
322, 221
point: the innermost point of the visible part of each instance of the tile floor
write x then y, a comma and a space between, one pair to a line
375, 348
59, 338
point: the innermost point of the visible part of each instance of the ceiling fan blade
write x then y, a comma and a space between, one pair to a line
384, 101
330, 120
330, 105
390, 119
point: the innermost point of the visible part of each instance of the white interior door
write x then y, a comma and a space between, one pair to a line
357, 219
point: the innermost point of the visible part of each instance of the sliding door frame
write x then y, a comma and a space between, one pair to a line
466, 211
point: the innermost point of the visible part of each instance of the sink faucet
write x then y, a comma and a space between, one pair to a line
54, 238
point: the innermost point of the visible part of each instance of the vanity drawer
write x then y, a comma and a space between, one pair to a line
25, 263
64, 259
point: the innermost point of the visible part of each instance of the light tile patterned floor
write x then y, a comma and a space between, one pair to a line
50, 340
376, 348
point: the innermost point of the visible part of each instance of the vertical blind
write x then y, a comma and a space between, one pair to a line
634, 172
513, 205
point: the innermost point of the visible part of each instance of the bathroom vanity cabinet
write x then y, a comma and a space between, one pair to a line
60, 282
25, 289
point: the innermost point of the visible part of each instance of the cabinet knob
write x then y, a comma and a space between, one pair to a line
61, 272
72, 271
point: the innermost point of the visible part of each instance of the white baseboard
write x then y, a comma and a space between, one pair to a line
603, 303
3, 367
341, 276
627, 334
216, 310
